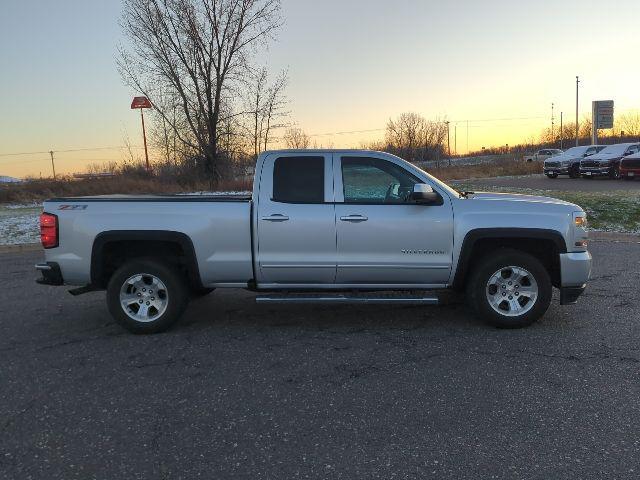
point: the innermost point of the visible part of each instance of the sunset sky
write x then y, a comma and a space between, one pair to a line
352, 65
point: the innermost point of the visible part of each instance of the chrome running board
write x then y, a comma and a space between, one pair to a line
348, 299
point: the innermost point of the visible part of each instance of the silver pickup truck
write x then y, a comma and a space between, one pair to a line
343, 226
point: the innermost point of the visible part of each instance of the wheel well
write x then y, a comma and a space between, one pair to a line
545, 250
110, 252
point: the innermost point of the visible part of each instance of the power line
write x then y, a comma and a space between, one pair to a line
69, 150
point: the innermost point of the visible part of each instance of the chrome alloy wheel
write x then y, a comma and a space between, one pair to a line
144, 297
512, 291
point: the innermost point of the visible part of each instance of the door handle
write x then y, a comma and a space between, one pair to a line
276, 217
354, 218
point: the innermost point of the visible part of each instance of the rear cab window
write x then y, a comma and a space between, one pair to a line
299, 179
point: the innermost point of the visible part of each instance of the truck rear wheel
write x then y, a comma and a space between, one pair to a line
146, 296
510, 289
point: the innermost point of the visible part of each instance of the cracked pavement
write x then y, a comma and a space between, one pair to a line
245, 391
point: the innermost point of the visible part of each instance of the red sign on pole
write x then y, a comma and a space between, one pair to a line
140, 102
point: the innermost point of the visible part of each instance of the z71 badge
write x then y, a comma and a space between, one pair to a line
73, 207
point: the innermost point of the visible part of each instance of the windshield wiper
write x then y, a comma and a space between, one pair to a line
466, 194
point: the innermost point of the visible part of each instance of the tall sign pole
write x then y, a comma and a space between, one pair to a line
561, 131
577, 128
144, 138
142, 103
602, 117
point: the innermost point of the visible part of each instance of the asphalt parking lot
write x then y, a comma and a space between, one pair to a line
563, 183
245, 391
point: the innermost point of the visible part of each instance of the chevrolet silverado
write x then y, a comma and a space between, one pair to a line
331, 226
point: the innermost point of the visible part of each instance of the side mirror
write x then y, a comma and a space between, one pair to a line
424, 194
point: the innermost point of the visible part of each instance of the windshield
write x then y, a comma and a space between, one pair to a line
614, 149
574, 151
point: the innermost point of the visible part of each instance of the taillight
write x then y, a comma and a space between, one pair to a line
49, 230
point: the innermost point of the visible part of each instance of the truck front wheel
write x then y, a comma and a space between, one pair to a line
146, 296
510, 289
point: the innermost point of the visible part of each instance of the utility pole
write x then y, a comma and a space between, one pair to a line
467, 137
561, 131
553, 139
53, 165
455, 139
577, 129
448, 142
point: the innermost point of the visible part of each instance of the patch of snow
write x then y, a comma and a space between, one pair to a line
5, 179
19, 224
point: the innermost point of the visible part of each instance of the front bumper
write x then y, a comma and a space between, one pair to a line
629, 172
575, 269
557, 170
51, 274
595, 171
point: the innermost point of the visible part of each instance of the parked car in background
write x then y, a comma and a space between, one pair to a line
568, 162
543, 154
630, 166
607, 161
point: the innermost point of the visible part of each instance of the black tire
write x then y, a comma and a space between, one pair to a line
176, 295
574, 172
614, 173
477, 288
588, 177
552, 175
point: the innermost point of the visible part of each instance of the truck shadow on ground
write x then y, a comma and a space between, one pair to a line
222, 309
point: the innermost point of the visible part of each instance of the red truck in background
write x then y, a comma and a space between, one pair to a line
630, 166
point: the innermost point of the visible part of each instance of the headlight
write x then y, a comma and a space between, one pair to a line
580, 235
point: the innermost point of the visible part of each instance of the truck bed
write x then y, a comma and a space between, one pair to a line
156, 198
217, 226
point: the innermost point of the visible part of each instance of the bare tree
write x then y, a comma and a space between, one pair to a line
274, 109
296, 138
198, 50
629, 123
414, 138
266, 108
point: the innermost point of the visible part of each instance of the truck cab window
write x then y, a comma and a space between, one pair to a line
298, 180
371, 180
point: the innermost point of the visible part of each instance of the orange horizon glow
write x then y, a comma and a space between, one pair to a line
458, 60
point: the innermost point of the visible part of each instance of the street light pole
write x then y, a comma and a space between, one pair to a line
561, 132
553, 138
577, 83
